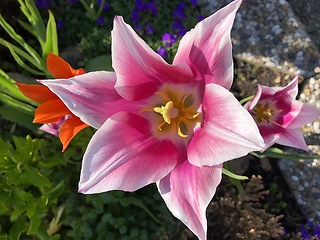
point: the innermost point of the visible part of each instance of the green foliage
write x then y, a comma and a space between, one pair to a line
27, 196
115, 215
25, 55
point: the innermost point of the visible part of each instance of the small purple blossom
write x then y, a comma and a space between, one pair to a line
179, 28
194, 3
152, 8
106, 6
135, 16
310, 230
169, 39
73, 1
100, 21
179, 13
59, 24
149, 29
162, 52
43, 3
200, 18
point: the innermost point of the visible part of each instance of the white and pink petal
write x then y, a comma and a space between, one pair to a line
90, 96
122, 155
207, 48
187, 191
140, 70
228, 130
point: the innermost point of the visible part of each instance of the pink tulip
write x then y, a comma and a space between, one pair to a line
169, 124
280, 116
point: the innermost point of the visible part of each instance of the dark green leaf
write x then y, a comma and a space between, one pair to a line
99, 63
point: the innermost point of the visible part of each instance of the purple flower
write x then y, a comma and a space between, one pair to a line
43, 3
73, 1
194, 3
179, 11
168, 39
106, 6
100, 21
162, 52
59, 24
310, 230
200, 18
149, 29
179, 28
152, 8
135, 16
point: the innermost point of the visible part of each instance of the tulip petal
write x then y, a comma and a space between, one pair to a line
122, 155
207, 48
50, 111
69, 129
139, 69
59, 68
302, 113
36, 92
187, 191
90, 96
292, 138
228, 130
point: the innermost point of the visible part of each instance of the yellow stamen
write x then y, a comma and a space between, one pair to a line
168, 111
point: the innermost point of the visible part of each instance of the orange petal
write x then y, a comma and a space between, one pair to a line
58, 67
77, 72
50, 111
36, 92
69, 129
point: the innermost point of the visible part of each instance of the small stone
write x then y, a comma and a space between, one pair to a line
294, 178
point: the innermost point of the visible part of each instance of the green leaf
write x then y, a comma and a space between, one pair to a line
278, 153
233, 175
3, 237
3, 208
55, 192
103, 62
126, 201
17, 53
8, 87
35, 177
19, 117
36, 58
18, 228
31, 11
51, 44
35, 223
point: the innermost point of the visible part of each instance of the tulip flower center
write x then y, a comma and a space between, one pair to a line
175, 111
264, 113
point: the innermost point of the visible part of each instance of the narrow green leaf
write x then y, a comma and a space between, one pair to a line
35, 177
6, 26
3, 237
7, 86
278, 153
16, 52
135, 201
3, 208
18, 105
233, 175
35, 223
27, 27
19, 117
37, 21
51, 44
55, 192
18, 228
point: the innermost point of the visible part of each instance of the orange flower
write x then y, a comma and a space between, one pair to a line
51, 109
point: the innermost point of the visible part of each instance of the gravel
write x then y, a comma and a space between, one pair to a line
269, 33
